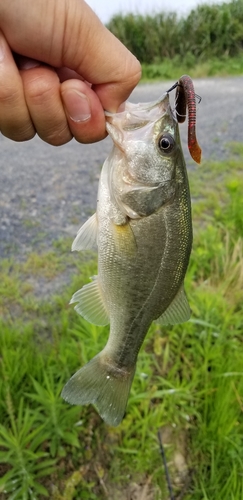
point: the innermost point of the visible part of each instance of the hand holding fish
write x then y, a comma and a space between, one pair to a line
143, 231
59, 69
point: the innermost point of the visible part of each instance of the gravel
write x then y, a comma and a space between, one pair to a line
48, 192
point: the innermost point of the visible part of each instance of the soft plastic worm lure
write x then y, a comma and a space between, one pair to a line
186, 98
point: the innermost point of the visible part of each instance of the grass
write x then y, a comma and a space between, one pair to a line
168, 69
188, 384
205, 42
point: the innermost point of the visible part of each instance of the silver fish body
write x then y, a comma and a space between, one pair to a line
144, 234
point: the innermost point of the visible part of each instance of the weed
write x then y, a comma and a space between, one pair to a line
20, 449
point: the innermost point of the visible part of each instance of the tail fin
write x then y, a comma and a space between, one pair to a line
104, 385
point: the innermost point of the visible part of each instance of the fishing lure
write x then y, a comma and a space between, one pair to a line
186, 98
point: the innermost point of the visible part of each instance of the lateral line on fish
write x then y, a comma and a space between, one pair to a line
152, 290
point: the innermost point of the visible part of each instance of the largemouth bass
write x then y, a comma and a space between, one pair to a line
143, 230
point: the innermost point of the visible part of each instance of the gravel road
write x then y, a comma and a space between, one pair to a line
48, 192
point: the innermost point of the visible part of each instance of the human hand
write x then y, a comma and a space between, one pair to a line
60, 68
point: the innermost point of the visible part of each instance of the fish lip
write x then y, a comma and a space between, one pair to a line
140, 109
116, 134
134, 117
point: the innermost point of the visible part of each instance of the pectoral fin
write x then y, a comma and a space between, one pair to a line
177, 312
86, 238
91, 304
124, 239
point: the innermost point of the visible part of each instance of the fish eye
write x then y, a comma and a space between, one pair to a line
166, 143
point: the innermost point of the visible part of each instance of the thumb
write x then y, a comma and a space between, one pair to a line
67, 33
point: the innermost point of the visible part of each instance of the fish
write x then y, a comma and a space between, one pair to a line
143, 230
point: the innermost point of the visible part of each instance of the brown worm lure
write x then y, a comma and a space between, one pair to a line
186, 98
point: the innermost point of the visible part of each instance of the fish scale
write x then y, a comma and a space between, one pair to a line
143, 231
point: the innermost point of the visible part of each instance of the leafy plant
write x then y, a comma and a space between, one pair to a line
21, 452
58, 419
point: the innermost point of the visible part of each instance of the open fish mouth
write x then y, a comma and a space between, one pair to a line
135, 116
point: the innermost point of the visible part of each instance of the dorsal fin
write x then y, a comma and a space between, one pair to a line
177, 312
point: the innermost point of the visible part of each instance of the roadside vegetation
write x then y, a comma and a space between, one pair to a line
207, 42
188, 384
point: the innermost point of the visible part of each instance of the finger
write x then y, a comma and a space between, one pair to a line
78, 41
84, 111
101, 59
15, 121
42, 93
69, 74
